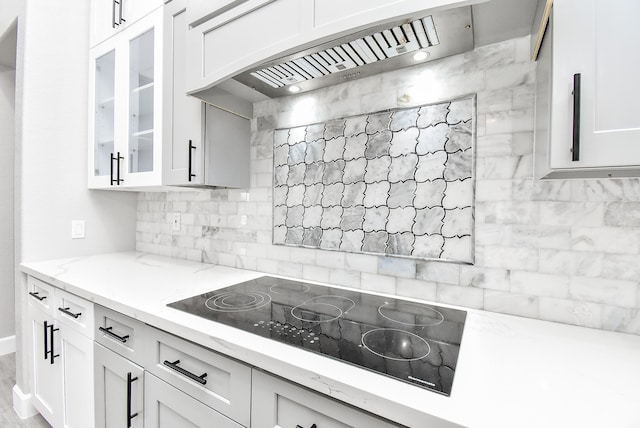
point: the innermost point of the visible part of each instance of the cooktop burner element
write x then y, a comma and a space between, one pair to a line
412, 342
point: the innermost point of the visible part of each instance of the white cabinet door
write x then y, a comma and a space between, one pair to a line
76, 353
183, 152
277, 403
119, 388
46, 375
168, 407
590, 130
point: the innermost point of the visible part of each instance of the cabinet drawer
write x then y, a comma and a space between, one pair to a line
166, 406
120, 333
41, 295
74, 312
226, 386
278, 403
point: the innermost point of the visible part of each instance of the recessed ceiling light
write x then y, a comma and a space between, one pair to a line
420, 55
294, 88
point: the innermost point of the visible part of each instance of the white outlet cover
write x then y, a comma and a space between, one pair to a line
175, 221
77, 229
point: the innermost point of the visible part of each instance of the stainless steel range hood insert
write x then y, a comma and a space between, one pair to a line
365, 53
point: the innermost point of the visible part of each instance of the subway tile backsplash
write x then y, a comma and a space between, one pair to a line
565, 251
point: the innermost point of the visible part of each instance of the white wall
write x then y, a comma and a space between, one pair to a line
7, 115
51, 151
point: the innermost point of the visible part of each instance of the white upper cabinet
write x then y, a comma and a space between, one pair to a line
126, 101
108, 17
588, 96
144, 130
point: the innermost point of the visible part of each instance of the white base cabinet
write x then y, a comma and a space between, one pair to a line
168, 407
119, 389
589, 127
62, 356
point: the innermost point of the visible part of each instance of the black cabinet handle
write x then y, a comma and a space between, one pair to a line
174, 365
52, 354
130, 380
575, 147
312, 426
191, 147
108, 332
36, 294
118, 179
113, 14
68, 312
46, 340
111, 167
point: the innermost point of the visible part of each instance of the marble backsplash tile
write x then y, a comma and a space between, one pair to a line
563, 250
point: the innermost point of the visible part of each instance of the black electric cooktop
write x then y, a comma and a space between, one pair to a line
411, 342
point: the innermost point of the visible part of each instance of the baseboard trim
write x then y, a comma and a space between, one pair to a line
22, 404
7, 345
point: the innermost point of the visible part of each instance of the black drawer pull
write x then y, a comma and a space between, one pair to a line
312, 426
36, 294
108, 332
174, 365
68, 312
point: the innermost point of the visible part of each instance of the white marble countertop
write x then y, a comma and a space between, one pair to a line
511, 371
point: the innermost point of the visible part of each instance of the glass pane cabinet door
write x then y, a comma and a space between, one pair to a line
141, 93
104, 113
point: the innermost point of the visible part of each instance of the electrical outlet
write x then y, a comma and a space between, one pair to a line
77, 229
175, 221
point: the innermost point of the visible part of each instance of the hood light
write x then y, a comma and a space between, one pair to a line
420, 55
294, 88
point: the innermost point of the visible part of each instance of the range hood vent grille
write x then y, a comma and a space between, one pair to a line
388, 43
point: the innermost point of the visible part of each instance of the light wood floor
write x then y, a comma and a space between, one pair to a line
8, 417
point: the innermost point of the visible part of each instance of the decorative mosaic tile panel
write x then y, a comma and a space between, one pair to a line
396, 182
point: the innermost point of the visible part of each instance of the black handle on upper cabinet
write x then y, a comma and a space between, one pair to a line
46, 340
68, 312
312, 426
575, 147
174, 365
191, 147
111, 168
130, 380
108, 332
120, 18
52, 354
118, 179
36, 294
113, 14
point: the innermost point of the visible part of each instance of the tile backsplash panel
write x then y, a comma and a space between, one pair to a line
395, 182
563, 250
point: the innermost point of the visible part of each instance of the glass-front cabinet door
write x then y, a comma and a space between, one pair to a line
125, 127
104, 113
141, 89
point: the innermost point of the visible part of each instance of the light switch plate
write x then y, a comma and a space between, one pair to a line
77, 229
